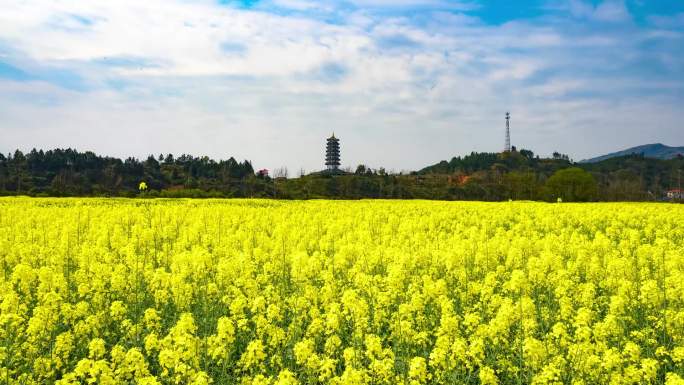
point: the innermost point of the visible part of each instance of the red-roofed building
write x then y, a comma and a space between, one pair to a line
675, 194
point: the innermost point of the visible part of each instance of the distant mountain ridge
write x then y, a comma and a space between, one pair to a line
656, 150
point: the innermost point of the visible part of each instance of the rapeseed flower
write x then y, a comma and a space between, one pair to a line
96, 291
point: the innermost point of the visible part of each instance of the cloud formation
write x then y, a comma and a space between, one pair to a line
404, 83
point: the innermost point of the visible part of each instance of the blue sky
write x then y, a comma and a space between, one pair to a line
403, 83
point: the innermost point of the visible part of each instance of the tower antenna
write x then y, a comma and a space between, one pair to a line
508, 133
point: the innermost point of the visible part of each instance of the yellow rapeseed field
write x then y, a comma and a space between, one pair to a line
115, 291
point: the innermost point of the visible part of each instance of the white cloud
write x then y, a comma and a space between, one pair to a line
663, 21
449, 4
186, 36
612, 10
301, 5
606, 11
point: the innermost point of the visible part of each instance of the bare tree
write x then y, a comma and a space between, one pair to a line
280, 172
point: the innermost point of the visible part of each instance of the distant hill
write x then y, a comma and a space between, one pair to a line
656, 151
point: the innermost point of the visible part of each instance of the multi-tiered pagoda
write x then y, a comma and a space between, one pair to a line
332, 154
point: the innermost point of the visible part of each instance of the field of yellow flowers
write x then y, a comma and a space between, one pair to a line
115, 291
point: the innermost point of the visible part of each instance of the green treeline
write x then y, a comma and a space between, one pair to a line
518, 175
72, 173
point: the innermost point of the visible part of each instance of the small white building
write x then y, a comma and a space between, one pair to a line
675, 194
